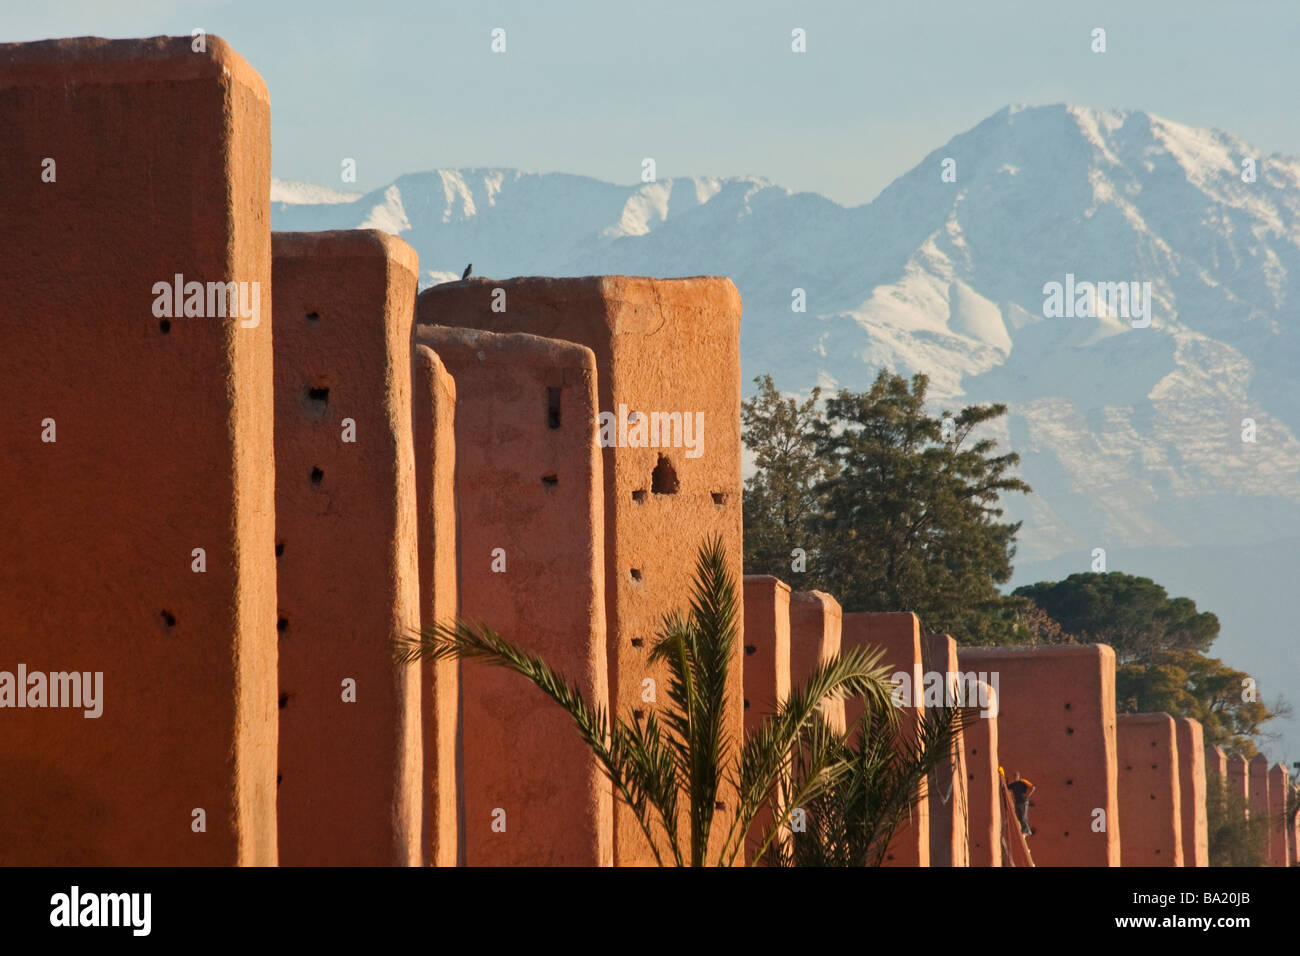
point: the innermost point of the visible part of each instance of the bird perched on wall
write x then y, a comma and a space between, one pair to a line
468, 269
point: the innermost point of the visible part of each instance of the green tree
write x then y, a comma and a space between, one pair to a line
670, 771
1160, 644
910, 511
851, 821
780, 503
1133, 615
1190, 684
1234, 839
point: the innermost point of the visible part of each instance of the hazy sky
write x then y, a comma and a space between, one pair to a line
709, 88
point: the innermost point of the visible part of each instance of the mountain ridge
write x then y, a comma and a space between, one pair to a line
1131, 437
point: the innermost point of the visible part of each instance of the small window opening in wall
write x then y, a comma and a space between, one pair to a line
663, 480
636, 574
719, 498
317, 476
551, 480
313, 319
553, 408
639, 496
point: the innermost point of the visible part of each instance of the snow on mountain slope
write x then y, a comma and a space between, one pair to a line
1132, 438
290, 192
1126, 432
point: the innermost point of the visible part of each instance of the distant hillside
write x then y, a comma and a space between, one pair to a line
1130, 437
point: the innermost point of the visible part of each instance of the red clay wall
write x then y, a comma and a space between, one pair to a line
899, 635
660, 345
1279, 839
434, 428
767, 647
1056, 727
1191, 791
815, 623
980, 741
1259, 797
528, 470
1216, 761
351, 754
767, 663
162, 445
1149, 797
949, 799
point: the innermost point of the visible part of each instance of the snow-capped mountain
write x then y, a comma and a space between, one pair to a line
1132, 437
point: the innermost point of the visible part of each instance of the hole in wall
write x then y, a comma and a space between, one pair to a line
279, 548
313, 319
551, 480
165, 326
636, 574
663, 480
1067, 705
168, 619
282, 624
553, 408
318, 400
719, 498
747, 705
638, 641
1069, 783
1069, 731
317, 476
719, 806
639, 496
278, 778
750, 650
284, 701
638, 714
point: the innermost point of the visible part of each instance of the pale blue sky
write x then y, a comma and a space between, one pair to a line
709, 88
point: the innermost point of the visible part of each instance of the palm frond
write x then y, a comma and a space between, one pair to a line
697, 650
767, 752
631, 759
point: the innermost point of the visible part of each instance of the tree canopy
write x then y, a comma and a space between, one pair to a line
1160, 647
894, 507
